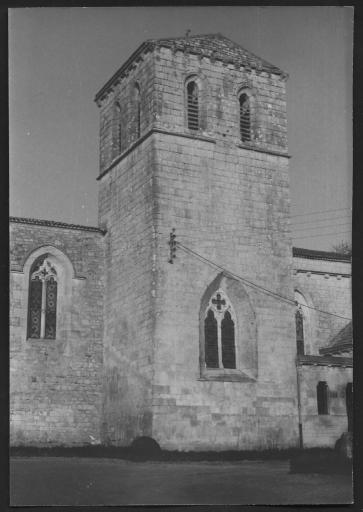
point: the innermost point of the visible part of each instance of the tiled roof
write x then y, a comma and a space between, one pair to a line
326, 360
320, 255
219, 47
54, 224
215, 46
343, 341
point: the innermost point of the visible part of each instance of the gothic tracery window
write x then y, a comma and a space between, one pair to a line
42, 305
219, 333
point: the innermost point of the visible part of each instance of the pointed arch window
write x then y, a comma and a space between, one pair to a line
42, 303
299, 323
303, 325
322, 392
245, 117
193, 105
219, 333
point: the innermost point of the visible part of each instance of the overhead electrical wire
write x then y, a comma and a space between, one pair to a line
322, 234
318, 221
321, 211
323, 227
252, 284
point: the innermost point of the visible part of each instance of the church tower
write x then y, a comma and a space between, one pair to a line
198, 353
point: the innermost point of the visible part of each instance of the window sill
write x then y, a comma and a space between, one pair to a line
225, 375
254, 147
41, 339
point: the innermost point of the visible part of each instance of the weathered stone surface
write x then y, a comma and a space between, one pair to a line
128, 358
56, 385
344, 445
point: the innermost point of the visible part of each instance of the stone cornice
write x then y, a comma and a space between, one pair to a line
55, 224
326, 360
248, 61
298, 252
105, 88
320, 272
145, 136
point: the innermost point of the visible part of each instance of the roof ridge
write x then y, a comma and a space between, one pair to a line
153, 39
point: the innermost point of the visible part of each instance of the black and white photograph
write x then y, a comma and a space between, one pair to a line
180, 255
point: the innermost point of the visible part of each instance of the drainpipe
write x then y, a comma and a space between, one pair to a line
301, 443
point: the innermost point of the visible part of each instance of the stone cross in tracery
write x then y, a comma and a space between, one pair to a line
219, 302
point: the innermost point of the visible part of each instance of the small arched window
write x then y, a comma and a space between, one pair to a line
245, 117
118, 129
42, 303
138, 109
322, 395
299, 323
303, 325
193, 105
219, 333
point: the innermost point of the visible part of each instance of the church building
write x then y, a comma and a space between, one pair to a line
186, 315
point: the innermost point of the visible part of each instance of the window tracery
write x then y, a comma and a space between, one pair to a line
42, 306
219, 333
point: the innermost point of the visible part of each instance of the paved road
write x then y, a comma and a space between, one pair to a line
83, 481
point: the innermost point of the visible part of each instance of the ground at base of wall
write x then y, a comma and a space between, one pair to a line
327, 459
75, 481
320, 461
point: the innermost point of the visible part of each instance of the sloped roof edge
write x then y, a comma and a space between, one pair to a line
150, 44
320, 255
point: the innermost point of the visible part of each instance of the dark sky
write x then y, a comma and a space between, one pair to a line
60, 57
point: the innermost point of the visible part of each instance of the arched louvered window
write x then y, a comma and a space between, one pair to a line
118, 129
193, 105
245, 117
219, 333
322, 392
299, 323
138, 110
42, 304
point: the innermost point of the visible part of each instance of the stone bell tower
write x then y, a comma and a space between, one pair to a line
193, 136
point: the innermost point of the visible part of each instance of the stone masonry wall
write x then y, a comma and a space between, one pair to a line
325, 285
123, 93
229, 203
324, 430
56, 385
126, 209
